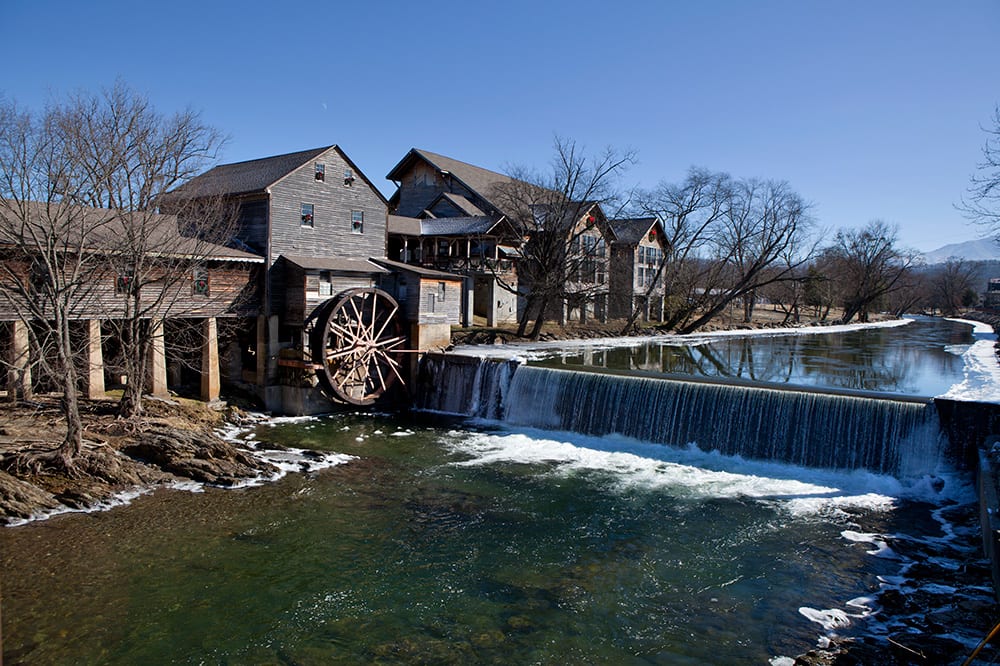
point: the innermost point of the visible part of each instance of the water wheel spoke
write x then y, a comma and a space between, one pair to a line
386, 322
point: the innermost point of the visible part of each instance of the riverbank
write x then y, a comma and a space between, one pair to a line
175, 443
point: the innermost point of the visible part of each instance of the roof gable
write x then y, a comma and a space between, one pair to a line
477, 179
256, 176
248, 177
631, 231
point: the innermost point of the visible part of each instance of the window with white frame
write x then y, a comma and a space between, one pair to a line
307, 215
358, 221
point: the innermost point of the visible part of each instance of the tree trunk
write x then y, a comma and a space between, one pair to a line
536, 330
72, 445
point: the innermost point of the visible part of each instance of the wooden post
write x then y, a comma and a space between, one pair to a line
93, 378
210, 360
157, 376
19, 384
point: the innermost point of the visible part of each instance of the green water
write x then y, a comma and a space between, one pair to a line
454, 544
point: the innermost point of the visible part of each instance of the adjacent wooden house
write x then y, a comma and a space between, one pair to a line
184, 285
636, 276
444, 216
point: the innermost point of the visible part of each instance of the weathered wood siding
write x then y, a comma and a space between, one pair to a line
423, 183
339, 283
331, 234
621, 278
251, 226
230, 293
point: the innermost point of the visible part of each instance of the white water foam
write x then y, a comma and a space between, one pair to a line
693, 473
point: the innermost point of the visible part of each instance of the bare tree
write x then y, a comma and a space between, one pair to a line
80, 187
47, 277
561, 219
952, 286
131, 156
691, 213
982, 201
726, 240
867, 266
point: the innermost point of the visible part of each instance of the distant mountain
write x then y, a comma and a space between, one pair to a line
984, 249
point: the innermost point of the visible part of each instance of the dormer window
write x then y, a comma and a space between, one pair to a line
348, 177
307, 215
320, 171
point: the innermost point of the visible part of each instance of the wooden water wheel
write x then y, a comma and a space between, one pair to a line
357, 342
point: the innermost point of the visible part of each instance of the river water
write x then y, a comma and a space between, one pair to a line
458, 541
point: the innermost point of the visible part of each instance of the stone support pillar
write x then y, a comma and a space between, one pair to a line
157, 375
210, 360
468, 300
93, 377
19, 384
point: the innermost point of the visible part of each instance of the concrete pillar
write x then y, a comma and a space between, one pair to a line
493, 303
19, 384
273, 350
261, 355
468, 301
210, 360
157, 375
93, 376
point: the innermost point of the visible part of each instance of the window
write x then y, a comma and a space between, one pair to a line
348, 177
125, 282
441, 291
307, 215
358, 221
199, 281
320, 171
325, 284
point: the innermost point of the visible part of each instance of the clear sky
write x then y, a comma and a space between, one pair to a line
869, 109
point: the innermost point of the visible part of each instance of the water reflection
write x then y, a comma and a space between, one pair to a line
916, 359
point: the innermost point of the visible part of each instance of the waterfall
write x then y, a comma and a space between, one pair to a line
814, 429
464, 385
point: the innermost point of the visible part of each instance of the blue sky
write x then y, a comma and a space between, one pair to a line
868, 109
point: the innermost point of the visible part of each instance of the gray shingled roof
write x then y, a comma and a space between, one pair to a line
334, 264
247, 177
459, 202
105, 227
418, 270
476, 178
406, 226
456, 226
631, 231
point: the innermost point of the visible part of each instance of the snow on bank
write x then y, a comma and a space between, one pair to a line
982, 375
535, 350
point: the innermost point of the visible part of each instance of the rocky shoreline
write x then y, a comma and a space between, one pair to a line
177, 442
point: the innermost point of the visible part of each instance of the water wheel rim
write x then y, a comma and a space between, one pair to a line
357, 346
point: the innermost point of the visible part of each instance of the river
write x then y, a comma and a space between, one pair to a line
462, 541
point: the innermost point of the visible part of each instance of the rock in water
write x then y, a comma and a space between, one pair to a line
199, 456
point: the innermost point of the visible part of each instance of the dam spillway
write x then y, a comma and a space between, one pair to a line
836, 430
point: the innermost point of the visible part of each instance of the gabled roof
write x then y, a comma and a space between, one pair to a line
631, 231
459, 202
253, 176
477, 179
